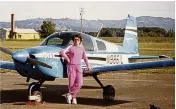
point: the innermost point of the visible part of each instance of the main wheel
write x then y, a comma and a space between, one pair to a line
38, 94
108, 93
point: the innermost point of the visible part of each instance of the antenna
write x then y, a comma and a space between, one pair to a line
81, 15
100, 30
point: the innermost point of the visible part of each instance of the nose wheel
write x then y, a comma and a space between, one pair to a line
38, 96
108, 91
34, 92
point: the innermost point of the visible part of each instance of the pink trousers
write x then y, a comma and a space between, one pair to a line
75, 78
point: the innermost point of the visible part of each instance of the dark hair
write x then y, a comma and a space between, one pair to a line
77, 35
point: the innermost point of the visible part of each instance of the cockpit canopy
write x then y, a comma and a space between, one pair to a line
65, 39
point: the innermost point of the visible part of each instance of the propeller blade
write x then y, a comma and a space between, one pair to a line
5, 50
15, 56
39, 63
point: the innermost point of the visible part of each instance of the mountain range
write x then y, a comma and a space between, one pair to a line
93, 25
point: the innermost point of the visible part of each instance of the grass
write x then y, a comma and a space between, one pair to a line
147, 46
142, 39
157, 49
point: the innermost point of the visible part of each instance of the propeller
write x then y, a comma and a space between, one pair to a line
39, 63
23, 56
7, 51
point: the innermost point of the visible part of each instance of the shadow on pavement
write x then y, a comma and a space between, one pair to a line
53, 94
48, 85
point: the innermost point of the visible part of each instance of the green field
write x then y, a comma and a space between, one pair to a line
143, 39
147, 46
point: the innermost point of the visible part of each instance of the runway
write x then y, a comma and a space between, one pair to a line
133, 91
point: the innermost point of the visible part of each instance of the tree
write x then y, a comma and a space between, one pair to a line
47, 28
170, 33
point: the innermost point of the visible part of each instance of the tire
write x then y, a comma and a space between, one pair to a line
108, 93
39, 95
36, 87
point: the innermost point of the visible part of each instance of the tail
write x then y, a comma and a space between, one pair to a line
130, 42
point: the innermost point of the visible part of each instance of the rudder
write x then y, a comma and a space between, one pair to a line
130, 42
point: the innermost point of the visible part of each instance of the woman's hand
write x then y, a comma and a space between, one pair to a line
89, 69
68, 61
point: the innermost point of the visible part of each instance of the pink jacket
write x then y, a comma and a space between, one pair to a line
75, 54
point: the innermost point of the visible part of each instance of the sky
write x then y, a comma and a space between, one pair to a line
93, 10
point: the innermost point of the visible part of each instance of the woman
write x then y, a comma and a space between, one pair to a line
76, 52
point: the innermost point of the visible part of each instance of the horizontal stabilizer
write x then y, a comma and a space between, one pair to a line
7, 65
148, 57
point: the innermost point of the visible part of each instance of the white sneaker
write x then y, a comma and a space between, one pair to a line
69, 98
74, 101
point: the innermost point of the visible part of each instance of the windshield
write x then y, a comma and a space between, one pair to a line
58, 39
65, 39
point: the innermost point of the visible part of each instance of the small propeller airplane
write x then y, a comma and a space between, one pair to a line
44, 62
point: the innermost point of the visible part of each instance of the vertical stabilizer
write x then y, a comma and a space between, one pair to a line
130, 42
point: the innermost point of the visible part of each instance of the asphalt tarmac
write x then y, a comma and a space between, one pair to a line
133, 91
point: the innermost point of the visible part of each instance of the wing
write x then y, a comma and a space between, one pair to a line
7, 65
131, 66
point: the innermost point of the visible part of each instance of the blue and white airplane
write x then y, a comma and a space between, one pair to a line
44, 63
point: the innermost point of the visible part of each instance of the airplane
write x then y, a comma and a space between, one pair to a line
44, 62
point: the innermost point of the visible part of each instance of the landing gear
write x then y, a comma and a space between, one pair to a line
108, 91
35, 92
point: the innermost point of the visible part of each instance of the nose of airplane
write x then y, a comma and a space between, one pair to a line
21, 56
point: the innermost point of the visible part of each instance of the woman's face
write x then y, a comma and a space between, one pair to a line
76, 41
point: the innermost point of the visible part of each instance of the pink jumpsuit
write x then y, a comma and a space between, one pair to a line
74, 70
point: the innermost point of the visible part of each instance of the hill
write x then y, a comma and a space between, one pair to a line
93, 25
